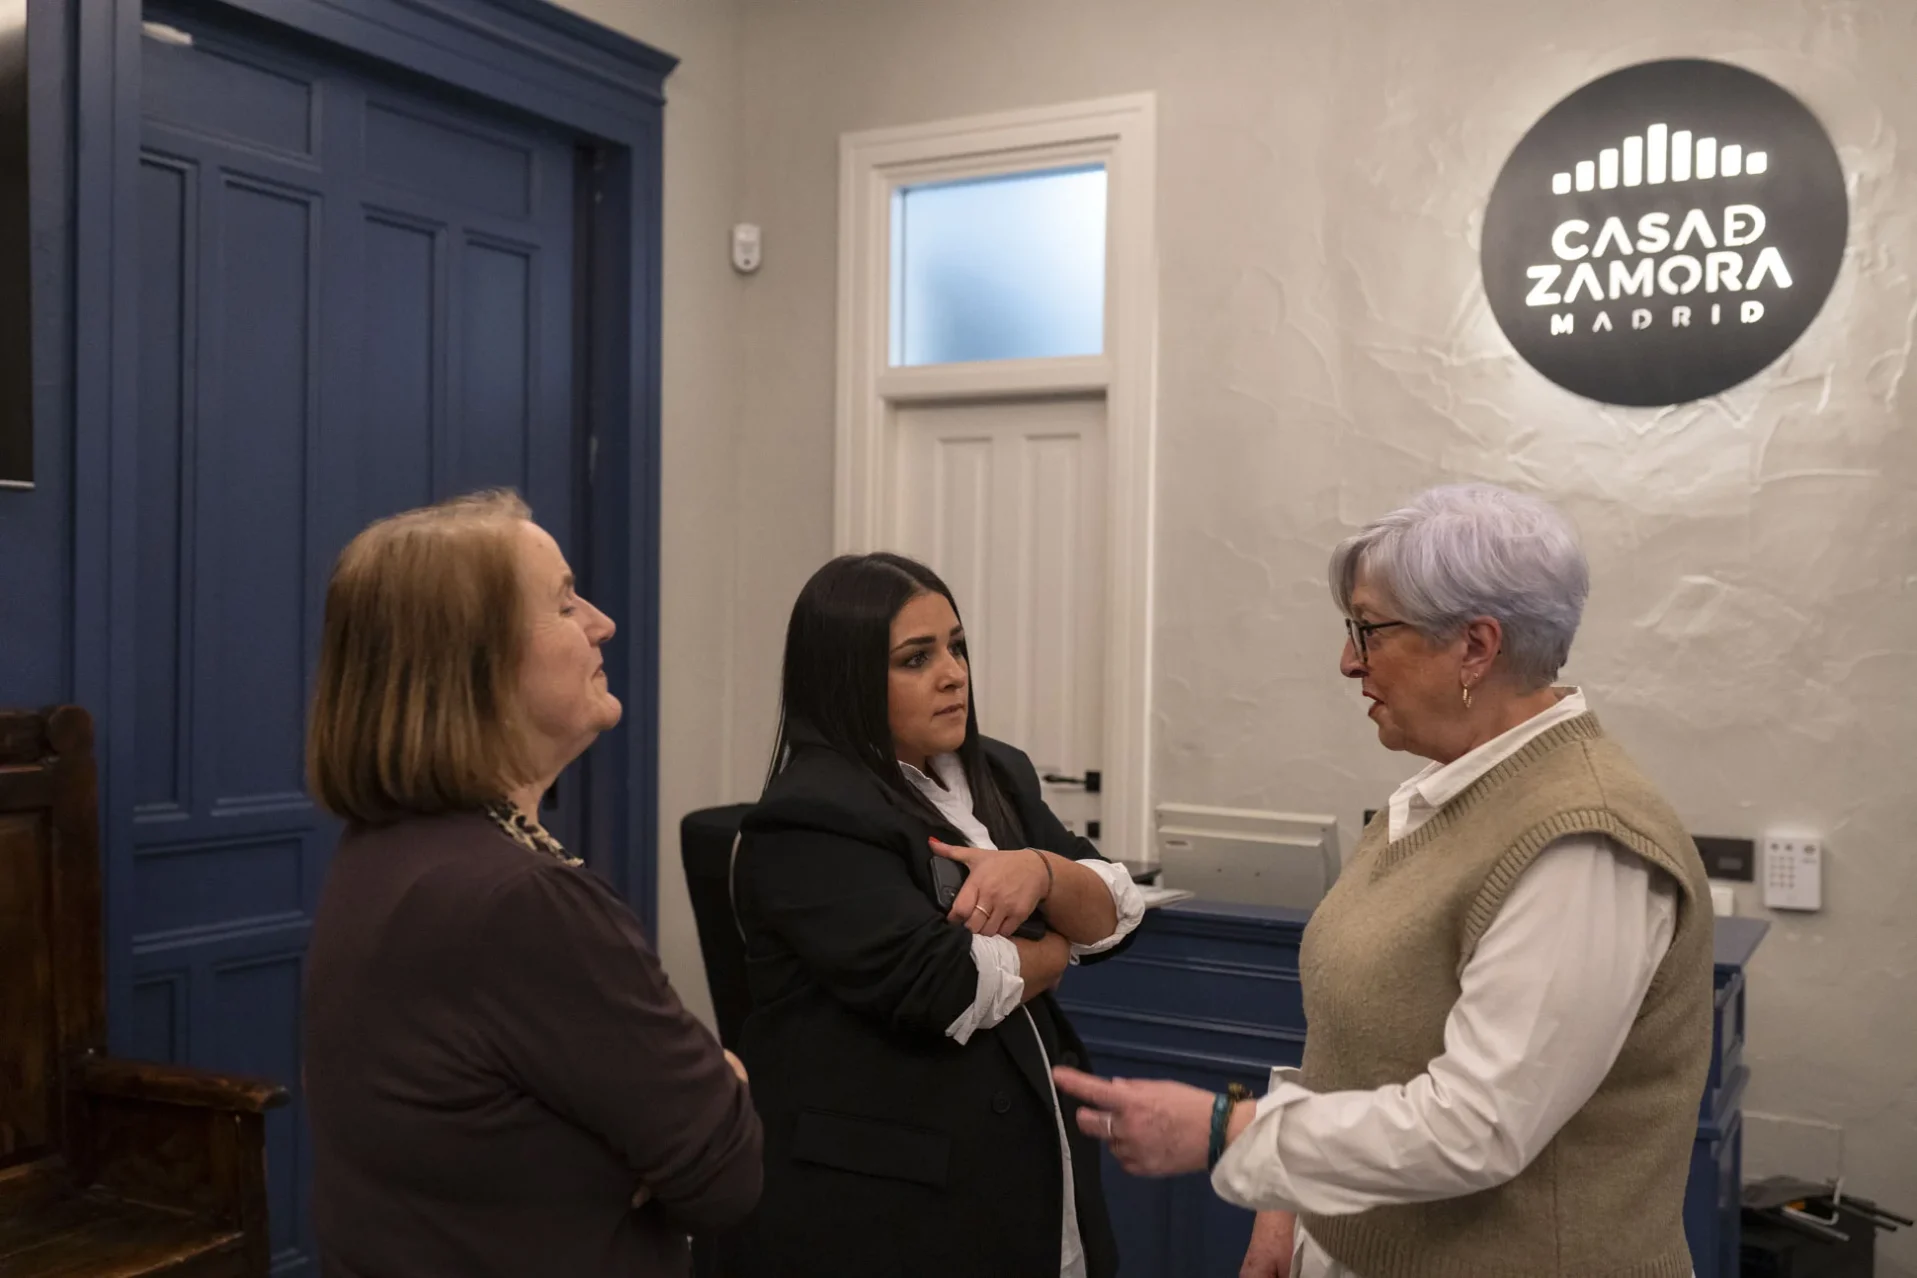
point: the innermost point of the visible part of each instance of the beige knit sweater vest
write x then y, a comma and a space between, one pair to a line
1380, 967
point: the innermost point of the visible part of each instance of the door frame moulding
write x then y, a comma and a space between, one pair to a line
605, 90
1121, 134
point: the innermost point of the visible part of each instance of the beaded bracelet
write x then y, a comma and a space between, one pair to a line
1048, 874
1221, 1108
1220, 1119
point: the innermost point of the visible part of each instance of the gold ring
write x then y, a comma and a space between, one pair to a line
979, 909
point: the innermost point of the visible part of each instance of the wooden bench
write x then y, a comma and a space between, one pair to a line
109, 1168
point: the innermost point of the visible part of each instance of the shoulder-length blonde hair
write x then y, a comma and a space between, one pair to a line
414, 710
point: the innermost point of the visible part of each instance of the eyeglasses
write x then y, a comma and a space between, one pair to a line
1360, 632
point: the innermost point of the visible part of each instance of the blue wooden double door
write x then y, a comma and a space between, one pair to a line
356, 296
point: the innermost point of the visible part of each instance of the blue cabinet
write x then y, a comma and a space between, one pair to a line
1712, 1207
1208, 994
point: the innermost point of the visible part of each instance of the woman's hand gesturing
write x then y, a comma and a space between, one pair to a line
1002, 888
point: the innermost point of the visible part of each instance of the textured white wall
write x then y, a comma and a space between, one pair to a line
1325, 351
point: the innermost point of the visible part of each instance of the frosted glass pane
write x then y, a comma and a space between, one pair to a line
1003, 268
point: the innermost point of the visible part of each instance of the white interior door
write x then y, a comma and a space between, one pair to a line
997, 330
1005, 499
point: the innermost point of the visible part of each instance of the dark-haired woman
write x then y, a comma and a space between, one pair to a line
901, 1049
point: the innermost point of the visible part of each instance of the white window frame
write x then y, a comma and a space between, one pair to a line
1121, 134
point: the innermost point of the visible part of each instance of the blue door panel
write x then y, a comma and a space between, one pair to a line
443, 157
182, 889
167, 263
401, 382
256, 421
476, 220
354, 298
491, 385
155, 1029
254, 1013
220, 90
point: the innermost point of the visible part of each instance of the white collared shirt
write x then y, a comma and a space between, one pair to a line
1547, 1000
1001, 989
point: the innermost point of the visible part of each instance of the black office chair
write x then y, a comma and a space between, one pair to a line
705, 848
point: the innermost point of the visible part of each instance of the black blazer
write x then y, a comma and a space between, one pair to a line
891, 1150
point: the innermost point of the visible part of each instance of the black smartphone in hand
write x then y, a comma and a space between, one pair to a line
948, 876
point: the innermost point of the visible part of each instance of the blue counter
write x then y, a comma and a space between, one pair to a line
1208, 994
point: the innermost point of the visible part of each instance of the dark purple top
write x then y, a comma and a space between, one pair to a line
495, 1062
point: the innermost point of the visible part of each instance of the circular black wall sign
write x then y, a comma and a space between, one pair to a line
1664, 233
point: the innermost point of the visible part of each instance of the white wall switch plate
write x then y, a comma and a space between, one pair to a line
1793, 872
1723, 900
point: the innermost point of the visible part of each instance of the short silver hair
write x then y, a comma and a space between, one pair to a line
1476, 550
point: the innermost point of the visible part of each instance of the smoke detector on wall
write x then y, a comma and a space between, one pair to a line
745, 248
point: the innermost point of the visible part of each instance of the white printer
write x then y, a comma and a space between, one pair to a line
1247, 856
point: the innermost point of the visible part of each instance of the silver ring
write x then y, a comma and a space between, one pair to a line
979, 909
1110, 1119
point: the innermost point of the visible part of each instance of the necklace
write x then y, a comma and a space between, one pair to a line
527, 832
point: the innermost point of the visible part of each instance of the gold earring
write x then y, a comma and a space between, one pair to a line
1467, 696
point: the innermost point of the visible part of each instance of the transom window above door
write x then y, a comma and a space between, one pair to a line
1004, 267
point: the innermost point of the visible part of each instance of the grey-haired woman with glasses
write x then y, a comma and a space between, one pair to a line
1508, 988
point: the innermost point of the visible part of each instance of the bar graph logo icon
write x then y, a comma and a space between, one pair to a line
1664, 233
1658, 155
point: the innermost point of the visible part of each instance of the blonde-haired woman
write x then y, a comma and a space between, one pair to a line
500, 1079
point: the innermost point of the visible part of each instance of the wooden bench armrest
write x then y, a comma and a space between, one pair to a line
177, 1085
182, 1139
